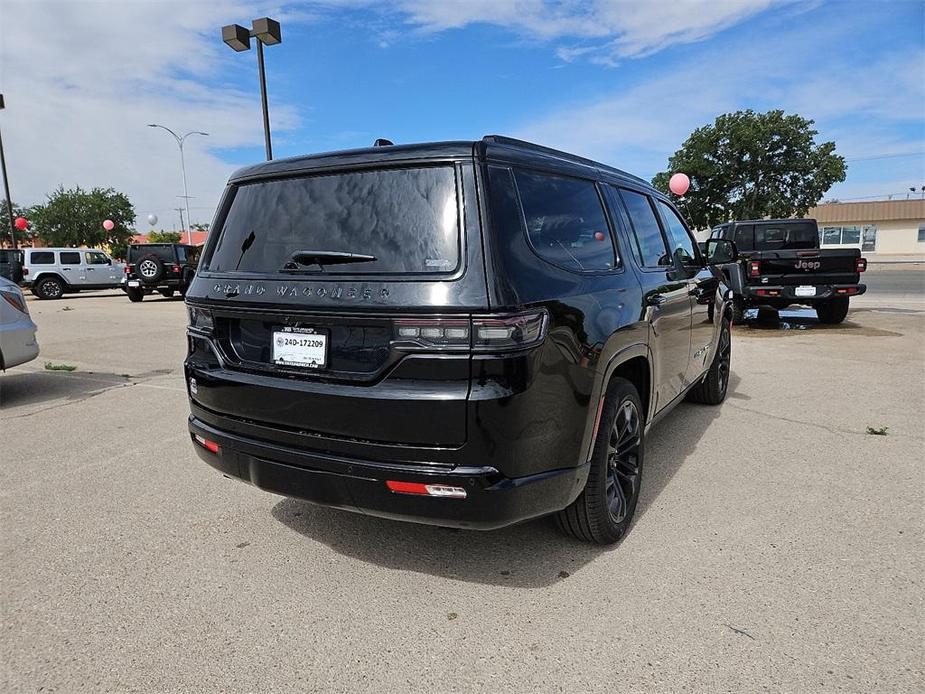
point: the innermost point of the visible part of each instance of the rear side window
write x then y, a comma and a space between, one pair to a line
745, 237
69, 257
788, 237
42, 258
406, 219
650, 248
565, 221
682, 245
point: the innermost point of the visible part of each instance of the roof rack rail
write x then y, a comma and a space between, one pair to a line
524, 144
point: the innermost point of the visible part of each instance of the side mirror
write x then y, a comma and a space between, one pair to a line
109, 261
719, 251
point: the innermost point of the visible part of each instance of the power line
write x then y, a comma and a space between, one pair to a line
887, 156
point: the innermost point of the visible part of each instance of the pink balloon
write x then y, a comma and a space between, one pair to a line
109, 225
679, 183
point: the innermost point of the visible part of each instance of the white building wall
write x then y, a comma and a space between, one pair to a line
895, 237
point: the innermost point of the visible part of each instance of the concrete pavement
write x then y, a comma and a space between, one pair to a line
777, 544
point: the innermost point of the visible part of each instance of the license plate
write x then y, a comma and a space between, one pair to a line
805, 291
134, 283
304, 347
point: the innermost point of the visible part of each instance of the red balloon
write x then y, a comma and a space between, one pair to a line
599, 235
21, 223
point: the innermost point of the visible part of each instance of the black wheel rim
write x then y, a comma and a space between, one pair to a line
725, 358
623, 461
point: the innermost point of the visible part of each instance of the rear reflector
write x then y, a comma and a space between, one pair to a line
426, 489
767, 292
210, 446
846, 290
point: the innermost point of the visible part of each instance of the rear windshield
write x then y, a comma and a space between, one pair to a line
406, 220
165, 253
786, 236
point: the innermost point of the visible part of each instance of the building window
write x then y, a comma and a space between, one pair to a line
831, 236
921, 233
841, 236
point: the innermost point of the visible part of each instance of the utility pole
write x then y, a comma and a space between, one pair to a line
6, 186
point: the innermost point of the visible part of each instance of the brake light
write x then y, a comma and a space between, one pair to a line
862, 264
210, 446
516, 331
175, 268
25, 271
421, 489
847, 290
129, 268
767, 292
754, 268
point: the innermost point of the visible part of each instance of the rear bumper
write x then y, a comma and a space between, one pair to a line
492, 500
787, 293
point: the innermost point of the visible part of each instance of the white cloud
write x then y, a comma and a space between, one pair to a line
81, 81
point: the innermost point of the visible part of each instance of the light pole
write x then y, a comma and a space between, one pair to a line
267, 32
180, 140
6, 186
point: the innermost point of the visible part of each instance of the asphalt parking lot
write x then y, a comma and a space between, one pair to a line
777, 545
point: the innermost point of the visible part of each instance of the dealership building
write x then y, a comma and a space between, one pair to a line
883, 226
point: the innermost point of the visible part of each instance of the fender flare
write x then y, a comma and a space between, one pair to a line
599, 391
46, 274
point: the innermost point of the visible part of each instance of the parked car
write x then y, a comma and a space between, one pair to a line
781, 264
163, 267
11, 264
465, 334
53, 272
17, 331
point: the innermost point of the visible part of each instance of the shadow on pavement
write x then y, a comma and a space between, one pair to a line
35, 387
529, 555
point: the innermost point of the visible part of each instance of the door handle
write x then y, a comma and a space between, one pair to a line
656, 300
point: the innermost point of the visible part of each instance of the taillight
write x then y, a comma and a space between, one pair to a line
846, 290
200, 318
754, 268
421, 489
862, 264
14, 298
210, 446
129, 268
175, 268
25, 271
767, 292
483, 333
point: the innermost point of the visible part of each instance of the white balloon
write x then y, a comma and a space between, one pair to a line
152, 219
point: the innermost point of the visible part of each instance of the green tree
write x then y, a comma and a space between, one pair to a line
5, 224
164, 237
751, 165
75, 218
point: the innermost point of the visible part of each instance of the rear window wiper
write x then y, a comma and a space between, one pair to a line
299, 259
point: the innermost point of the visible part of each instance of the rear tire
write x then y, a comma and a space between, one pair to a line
134, 294
832, 311
712, 389
603, 511
49, 288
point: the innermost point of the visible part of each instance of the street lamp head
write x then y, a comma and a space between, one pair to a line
237, 37
267, 31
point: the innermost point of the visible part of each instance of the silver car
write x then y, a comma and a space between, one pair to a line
17, 331
53, 272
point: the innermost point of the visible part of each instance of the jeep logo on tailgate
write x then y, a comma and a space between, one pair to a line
808, 264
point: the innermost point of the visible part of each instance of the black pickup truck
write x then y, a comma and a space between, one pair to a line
780, 263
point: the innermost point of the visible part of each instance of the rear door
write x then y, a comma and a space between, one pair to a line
73, 268
345, 291
666, 293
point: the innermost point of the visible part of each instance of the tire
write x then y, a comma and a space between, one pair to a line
166, 293
134, 294
603, 511
738, 312
832, 311
150, 269
49, 288
712, 389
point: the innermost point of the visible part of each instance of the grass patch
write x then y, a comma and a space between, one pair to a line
877, 431
59, 367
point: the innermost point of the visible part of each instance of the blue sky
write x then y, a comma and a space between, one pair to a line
622, 82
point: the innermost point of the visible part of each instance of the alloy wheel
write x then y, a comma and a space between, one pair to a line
623, 460
147, 268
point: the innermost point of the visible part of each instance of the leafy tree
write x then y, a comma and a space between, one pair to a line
75, 218
164, 237
751, 165
5, 224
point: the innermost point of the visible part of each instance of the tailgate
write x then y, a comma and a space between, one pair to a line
818, 267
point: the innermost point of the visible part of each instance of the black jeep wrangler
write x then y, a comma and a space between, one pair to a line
466, 334
163, 267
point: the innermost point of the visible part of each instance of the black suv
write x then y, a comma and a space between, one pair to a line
466, 334
164, 267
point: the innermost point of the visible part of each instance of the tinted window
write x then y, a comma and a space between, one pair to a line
95, 258
682, 245
42, 258
786, 236
565, 221
650, 248
70, 257
407, 219
745, 237
164, 252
